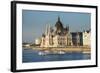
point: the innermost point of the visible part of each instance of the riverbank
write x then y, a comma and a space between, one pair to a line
83, 49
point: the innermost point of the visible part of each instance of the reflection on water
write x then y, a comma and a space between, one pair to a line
30, 55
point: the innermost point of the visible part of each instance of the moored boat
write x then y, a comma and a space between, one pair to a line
46, 52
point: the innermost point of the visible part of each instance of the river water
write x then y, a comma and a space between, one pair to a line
29, 55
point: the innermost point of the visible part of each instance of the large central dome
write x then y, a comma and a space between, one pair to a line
60, 29
59, 25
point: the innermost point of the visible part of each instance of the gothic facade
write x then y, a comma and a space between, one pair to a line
60, 36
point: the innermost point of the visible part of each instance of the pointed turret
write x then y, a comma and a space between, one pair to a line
58, 18
46, 30
59, 26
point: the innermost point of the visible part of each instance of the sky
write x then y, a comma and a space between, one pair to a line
34, 22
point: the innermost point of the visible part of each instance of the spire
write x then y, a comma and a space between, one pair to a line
46, 31
49, 28
59, 25
58, 18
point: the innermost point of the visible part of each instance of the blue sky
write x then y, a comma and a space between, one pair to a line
34, 22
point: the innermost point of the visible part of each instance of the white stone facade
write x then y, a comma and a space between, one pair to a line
57, 37
87, 38
61, 37
38, 41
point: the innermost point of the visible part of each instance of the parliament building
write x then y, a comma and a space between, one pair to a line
60, 36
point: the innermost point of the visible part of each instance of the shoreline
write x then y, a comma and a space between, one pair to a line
69, 49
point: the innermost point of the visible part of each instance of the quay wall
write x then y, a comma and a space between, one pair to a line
65, 49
